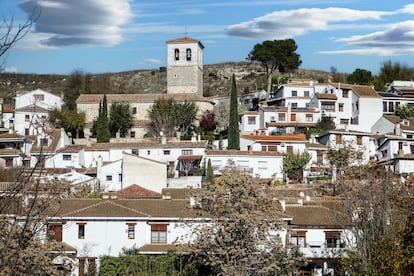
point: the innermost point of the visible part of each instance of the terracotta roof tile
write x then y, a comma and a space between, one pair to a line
242, 153
365, 91
185, 40
296, 137
136, 191
308, 215
146, 144
326, 96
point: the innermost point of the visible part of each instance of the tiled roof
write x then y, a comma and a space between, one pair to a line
55, 137
396, 119
185, 40
173, 208
71, 149
163, 248
316, 145
146, 144
136, 191
365, 91
8, 152
242, 153
296, 137
138, 98
296, 124
11, 135
310, 215
326, 96
177, 193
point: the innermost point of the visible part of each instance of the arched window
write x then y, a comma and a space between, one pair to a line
177, 54
188, 54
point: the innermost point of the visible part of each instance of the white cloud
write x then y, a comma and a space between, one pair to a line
152, 61
292, 23
397, 39
9, 70
80, 22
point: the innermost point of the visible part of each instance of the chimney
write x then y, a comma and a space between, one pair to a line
163, 140
397, 129
194, 138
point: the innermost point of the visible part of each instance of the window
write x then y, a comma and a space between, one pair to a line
166, 152
134, 110
251, 120
294, 93
120, 177
54, 232
188, 54
328, 106
187, 152
293, 117
26, 131
341, 107
131, 231
298, 238
359, 140
39, 97
344, 121
176, 54
109, 177
294, 105
44, 142
384, 153
289, 149
384, 106
148, 152
338, 138
306, 93
132, 134
309, 118
319, 156
159, 233
333, 239
67, 157
390, 107
135, 151
282, 117
345, 93
27, 118
81, 230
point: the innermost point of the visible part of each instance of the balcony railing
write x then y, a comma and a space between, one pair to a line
322, 250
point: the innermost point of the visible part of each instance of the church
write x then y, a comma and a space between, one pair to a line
184, 83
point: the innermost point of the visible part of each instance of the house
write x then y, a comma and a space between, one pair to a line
262, 164
322, 235
274, 143
362, 143
389, 124
14, 149
249, 122
98, 227
31, 111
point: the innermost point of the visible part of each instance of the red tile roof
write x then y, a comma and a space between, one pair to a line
296, 137
242, 153
185, 40
136, 191
326, 96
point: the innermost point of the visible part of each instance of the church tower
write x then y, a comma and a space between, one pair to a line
185, 66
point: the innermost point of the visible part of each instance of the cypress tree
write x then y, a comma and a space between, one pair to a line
234, 134
209, 174
102, 124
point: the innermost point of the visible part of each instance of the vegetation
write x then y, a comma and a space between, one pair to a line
234, 132
101, 125
404, 111
209, 174
72, 121
360, 76
76, 86
277, 55
169, 117
207, 121
293, 164
120, 119
241, 238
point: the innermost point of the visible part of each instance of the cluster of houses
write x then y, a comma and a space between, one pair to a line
145, 182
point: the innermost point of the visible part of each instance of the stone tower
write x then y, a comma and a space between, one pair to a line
185, 66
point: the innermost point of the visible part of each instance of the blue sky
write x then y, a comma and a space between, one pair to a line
100, 36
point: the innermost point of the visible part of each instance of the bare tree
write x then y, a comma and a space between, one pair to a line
10, 33
242, 238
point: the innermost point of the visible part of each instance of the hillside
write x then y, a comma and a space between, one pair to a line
217, 80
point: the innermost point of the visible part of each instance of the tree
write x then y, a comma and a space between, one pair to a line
71, 120
120, 119
207, 121
168, 116
326, 123
241, 238
209, 174
277, 55
360, 76
293, 163
404, 111
390, 72
102, 123
234, 132
10, 34
75, 87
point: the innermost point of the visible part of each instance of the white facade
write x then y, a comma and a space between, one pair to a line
254, 163
274, 143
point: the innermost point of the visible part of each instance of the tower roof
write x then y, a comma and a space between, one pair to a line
185, 40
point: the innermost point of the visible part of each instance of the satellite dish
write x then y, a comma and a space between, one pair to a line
307, 198
301, 194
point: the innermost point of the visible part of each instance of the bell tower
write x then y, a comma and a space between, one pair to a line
185, 66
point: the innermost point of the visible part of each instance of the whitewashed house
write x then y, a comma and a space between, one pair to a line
274, 143
249, 122
396, 153
391, 124
31, 111
260, 164
14, 150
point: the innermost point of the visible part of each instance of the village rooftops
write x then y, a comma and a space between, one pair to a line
295, 137
139, 98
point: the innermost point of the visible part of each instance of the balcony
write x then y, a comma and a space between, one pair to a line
321, 250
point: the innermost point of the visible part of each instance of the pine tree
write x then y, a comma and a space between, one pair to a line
234, 135
102, 124
209, 174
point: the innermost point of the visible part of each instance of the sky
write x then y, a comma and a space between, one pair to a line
101, 36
